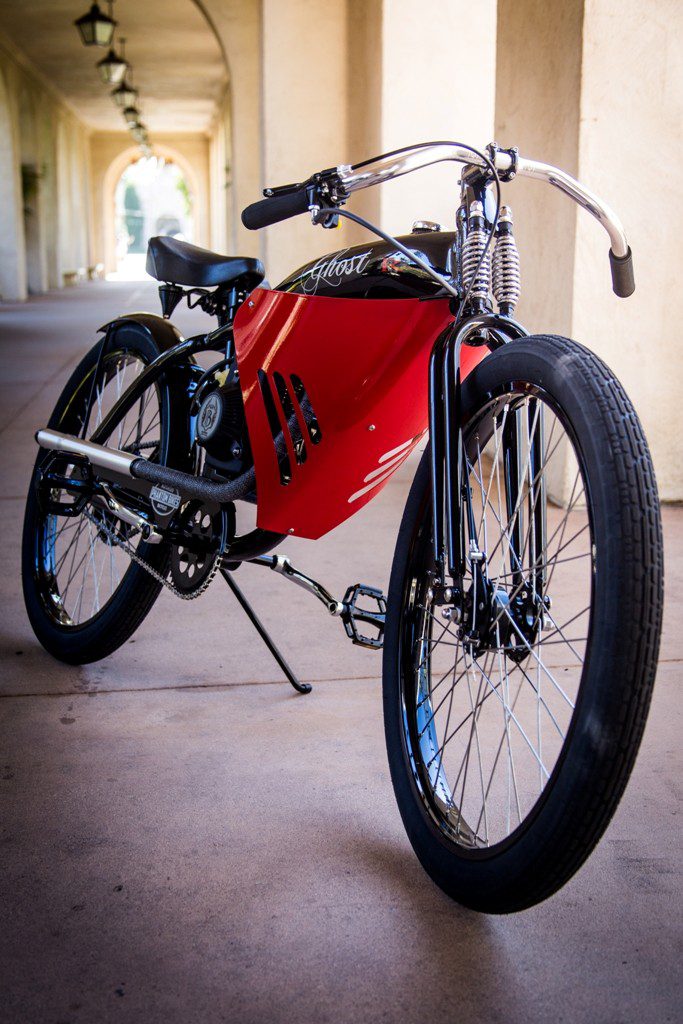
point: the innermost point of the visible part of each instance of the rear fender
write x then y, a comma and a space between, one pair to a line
163, 332
177, 365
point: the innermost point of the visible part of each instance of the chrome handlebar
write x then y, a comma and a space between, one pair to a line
393, 165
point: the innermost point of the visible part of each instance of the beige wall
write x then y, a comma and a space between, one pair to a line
630, 150
304, 116
537, 109
365, 58
438, 83
49, 234
595, 88
352, 82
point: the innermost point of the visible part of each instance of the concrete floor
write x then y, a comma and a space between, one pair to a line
185, 839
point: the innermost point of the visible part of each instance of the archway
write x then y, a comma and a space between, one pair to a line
152, 197
194, 178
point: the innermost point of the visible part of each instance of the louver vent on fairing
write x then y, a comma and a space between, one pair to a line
282, 400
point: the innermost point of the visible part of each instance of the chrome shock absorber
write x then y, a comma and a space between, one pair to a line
478, 281
506, 278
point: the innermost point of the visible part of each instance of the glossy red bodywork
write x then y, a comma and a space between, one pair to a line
364, 364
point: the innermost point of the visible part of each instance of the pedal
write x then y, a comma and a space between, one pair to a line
352, 615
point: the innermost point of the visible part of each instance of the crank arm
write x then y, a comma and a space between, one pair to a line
347, 609
284, 567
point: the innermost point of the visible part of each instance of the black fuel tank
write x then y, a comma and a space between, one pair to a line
377, 270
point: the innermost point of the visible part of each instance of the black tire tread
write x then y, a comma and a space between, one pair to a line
639, 498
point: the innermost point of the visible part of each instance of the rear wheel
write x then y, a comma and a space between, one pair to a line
83, 595
514, 705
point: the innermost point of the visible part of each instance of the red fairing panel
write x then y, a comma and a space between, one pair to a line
345, 380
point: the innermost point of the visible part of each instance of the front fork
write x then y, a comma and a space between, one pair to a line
454, 529
522, 445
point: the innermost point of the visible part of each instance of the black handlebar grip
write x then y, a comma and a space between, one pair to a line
623, 281
275, 209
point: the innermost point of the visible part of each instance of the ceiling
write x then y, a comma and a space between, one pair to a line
177, 62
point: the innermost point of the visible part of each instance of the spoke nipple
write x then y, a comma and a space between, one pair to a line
430, 595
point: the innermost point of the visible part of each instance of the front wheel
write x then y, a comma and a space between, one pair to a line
515, 698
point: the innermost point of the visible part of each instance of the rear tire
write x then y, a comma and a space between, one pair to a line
528, 860
81, 638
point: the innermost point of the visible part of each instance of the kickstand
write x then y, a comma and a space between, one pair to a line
263, 633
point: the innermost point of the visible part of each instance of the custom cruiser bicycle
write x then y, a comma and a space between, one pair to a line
522, 621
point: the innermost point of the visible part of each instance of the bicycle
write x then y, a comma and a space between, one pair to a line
521, 627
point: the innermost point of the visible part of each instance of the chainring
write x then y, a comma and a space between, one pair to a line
194, 561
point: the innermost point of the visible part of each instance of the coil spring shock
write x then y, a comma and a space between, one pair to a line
506, 277
477, 281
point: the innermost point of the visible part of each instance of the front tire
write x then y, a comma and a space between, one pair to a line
542, 723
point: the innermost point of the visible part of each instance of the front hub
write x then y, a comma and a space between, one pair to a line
491, 618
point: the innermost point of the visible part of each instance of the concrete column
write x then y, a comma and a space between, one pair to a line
220, 170
344, 85
538, 88
631, 152
32, 171
365, 57
237, 24
304, 115
438, 83
50, 199
12, 246
596, 89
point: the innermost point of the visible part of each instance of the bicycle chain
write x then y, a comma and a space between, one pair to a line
134, 556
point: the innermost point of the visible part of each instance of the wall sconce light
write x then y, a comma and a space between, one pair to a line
96, 28
113, 67
124, 95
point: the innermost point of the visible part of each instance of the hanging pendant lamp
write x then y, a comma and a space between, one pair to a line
113, 67
96, 28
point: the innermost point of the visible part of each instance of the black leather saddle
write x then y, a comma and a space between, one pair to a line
176, 262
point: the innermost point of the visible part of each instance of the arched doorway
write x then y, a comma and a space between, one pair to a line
112, 198
152, 197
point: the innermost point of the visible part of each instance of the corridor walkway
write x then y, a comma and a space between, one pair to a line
186, 840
